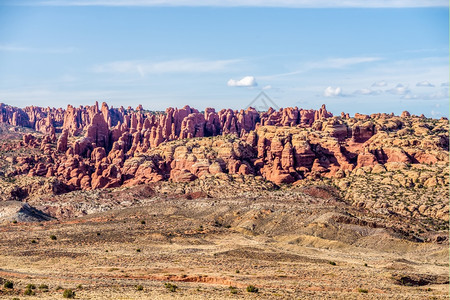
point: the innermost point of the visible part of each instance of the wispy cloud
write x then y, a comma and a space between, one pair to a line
171, 66
253, 3
247, 81
331, 63
399, 89
424, 84
15, 48
438, 95
367, 92
339, 63
381, 83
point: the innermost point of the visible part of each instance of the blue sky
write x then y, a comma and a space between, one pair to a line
359, 56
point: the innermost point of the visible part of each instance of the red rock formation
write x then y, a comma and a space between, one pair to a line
117, 144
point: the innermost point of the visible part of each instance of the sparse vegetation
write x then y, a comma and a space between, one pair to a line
171, 287
29, 292
53, 237
332, 263
68, 293
252, 289
139, 287
364, 291
8, 284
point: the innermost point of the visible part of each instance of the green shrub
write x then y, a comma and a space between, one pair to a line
171, 287
139, 287
364, 291
138, 250
29, 292
31, 286
252, 289
332, 263
43, 287
53, 237
143, 222
233, 290
68, 294
33, 241
8, 284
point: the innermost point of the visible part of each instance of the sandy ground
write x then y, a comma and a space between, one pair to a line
203, 246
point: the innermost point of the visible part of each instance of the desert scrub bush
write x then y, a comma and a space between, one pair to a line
252, 289
332, 263
43, 287
233, 289
68, 293
8, 284
30, 286
364, 291
29, 292
171, 287
139, 287
53, 237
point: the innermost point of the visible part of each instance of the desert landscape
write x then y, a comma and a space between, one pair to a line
100, 202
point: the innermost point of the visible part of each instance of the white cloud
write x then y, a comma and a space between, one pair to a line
331, 63
366, 91
381, 83
410, 96
267, 87
332, 92
424, 84
339, 63
171, 66
15, 48
246, 81
251, 3
441, 94
400, 89
445, 84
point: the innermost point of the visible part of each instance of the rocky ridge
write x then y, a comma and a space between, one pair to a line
89, 148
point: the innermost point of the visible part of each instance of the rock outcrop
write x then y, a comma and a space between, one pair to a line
91, 147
